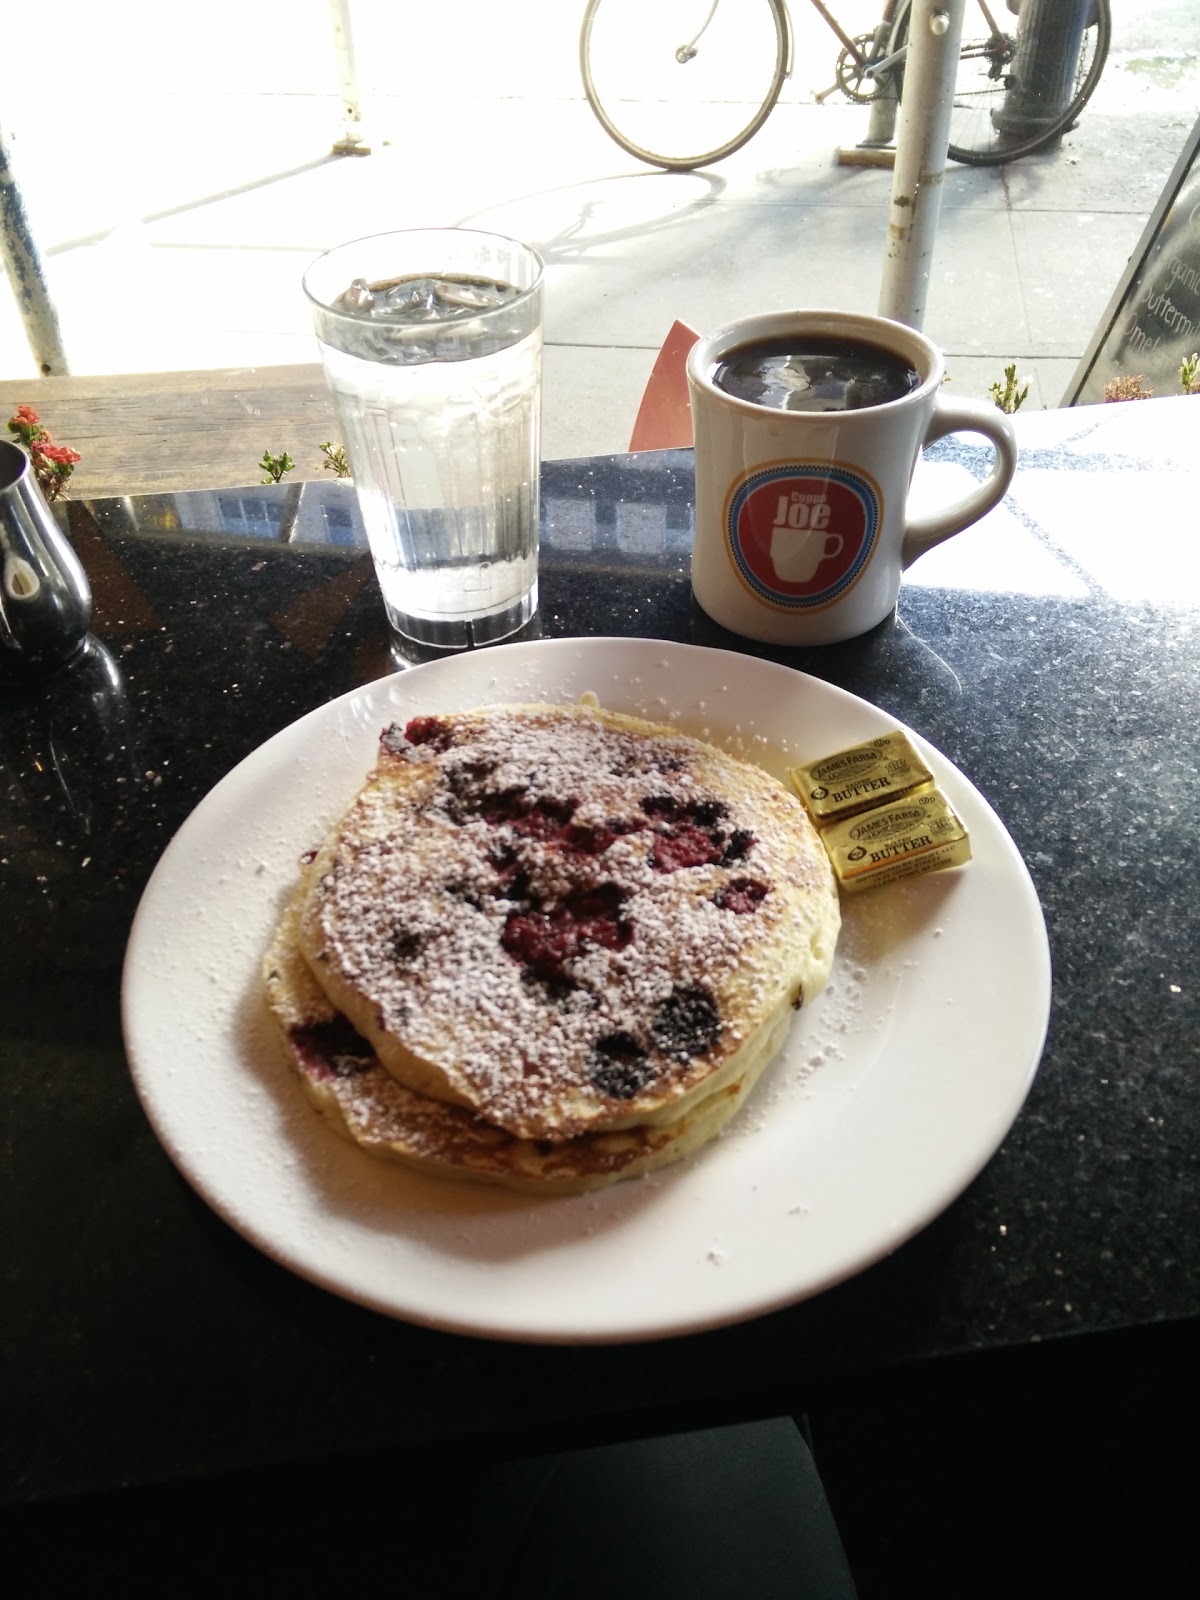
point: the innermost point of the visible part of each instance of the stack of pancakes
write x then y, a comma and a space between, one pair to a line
549, 946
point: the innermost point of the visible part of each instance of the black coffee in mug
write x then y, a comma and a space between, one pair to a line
812, 372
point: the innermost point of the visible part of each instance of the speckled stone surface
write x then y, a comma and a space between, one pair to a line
1051, 653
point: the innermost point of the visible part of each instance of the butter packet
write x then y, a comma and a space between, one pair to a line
880, 814
918, 833
858, 779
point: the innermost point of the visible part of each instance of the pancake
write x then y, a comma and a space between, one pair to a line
344, 1080
565, 920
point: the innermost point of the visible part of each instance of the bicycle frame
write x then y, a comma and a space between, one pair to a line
871, 65
687, 52
870, 70
885, 21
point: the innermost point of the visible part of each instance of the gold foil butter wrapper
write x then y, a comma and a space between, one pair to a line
901, 839
858, 779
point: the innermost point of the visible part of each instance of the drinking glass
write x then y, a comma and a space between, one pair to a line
431, 342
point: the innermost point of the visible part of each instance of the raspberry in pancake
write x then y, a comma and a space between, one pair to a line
566, 920
342, 1077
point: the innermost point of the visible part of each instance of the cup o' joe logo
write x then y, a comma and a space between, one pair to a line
800, 536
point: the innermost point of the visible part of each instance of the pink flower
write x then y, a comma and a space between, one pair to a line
60, 454
53, 463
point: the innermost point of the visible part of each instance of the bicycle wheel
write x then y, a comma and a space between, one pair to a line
683, 83
999, 112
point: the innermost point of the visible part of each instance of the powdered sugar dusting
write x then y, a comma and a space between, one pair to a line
500, 895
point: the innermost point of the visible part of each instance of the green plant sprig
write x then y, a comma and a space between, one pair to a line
276, 466
335, 459
1008, 396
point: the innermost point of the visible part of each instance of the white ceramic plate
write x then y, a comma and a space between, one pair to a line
894, 1089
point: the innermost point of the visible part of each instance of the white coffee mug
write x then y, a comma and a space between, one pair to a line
802, 528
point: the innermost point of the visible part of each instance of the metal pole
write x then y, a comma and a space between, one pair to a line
23, 264
881, 128
353, 141
930, 67
876, 150
1043, 72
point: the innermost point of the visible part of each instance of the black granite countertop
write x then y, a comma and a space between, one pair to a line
1050, 653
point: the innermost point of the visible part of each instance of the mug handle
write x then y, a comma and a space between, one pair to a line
963, 416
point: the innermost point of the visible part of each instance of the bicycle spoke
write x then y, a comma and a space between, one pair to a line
677, 82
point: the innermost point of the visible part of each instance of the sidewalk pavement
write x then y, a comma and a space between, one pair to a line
178, 192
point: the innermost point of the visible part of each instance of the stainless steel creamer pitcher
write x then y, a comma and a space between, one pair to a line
45, 597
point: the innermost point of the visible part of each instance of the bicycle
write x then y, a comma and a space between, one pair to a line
681, 84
